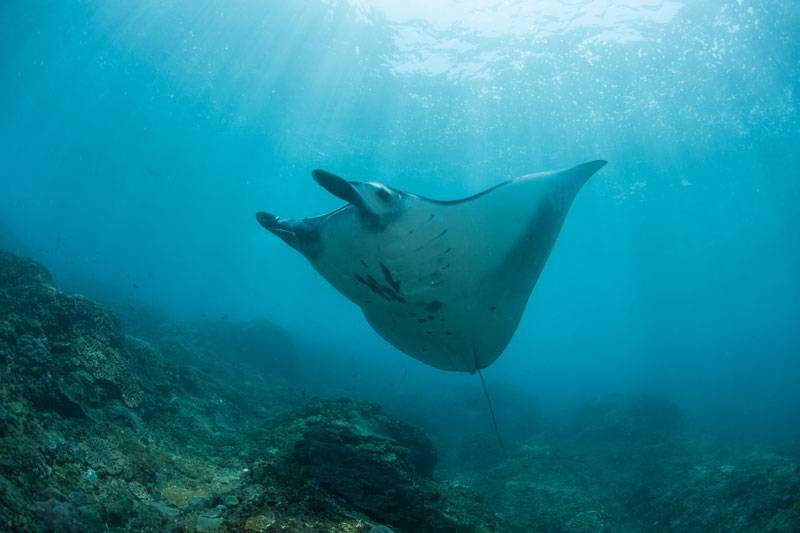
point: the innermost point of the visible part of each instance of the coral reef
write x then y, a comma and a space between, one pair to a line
629, 463
367, 461
104, 431
168, 430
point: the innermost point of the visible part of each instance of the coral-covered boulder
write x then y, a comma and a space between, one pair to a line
69, 348
350, 452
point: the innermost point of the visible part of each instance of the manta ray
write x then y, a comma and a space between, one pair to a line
445, 282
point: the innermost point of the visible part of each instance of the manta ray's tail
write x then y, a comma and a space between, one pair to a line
491, 409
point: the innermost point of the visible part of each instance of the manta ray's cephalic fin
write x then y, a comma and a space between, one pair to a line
341, 188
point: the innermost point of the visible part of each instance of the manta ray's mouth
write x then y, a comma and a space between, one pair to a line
281, 228
298, 234
275, 225
269, 221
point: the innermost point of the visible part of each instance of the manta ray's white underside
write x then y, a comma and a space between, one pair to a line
447, 282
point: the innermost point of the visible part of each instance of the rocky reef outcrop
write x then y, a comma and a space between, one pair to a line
42, 325
147, 424
632, 463
104, 431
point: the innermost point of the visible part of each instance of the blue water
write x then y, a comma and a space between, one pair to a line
138, 139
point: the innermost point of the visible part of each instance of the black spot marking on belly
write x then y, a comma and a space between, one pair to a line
442, 234
493, 308
430, 317
434, 306
389, 294
387, 275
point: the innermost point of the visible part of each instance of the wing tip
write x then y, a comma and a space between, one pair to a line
595, 165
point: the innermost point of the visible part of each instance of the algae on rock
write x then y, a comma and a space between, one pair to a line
104, 431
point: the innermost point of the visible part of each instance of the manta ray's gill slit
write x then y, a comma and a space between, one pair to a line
364, 263
431, 240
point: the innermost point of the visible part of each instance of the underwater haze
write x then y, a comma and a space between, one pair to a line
138, 140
